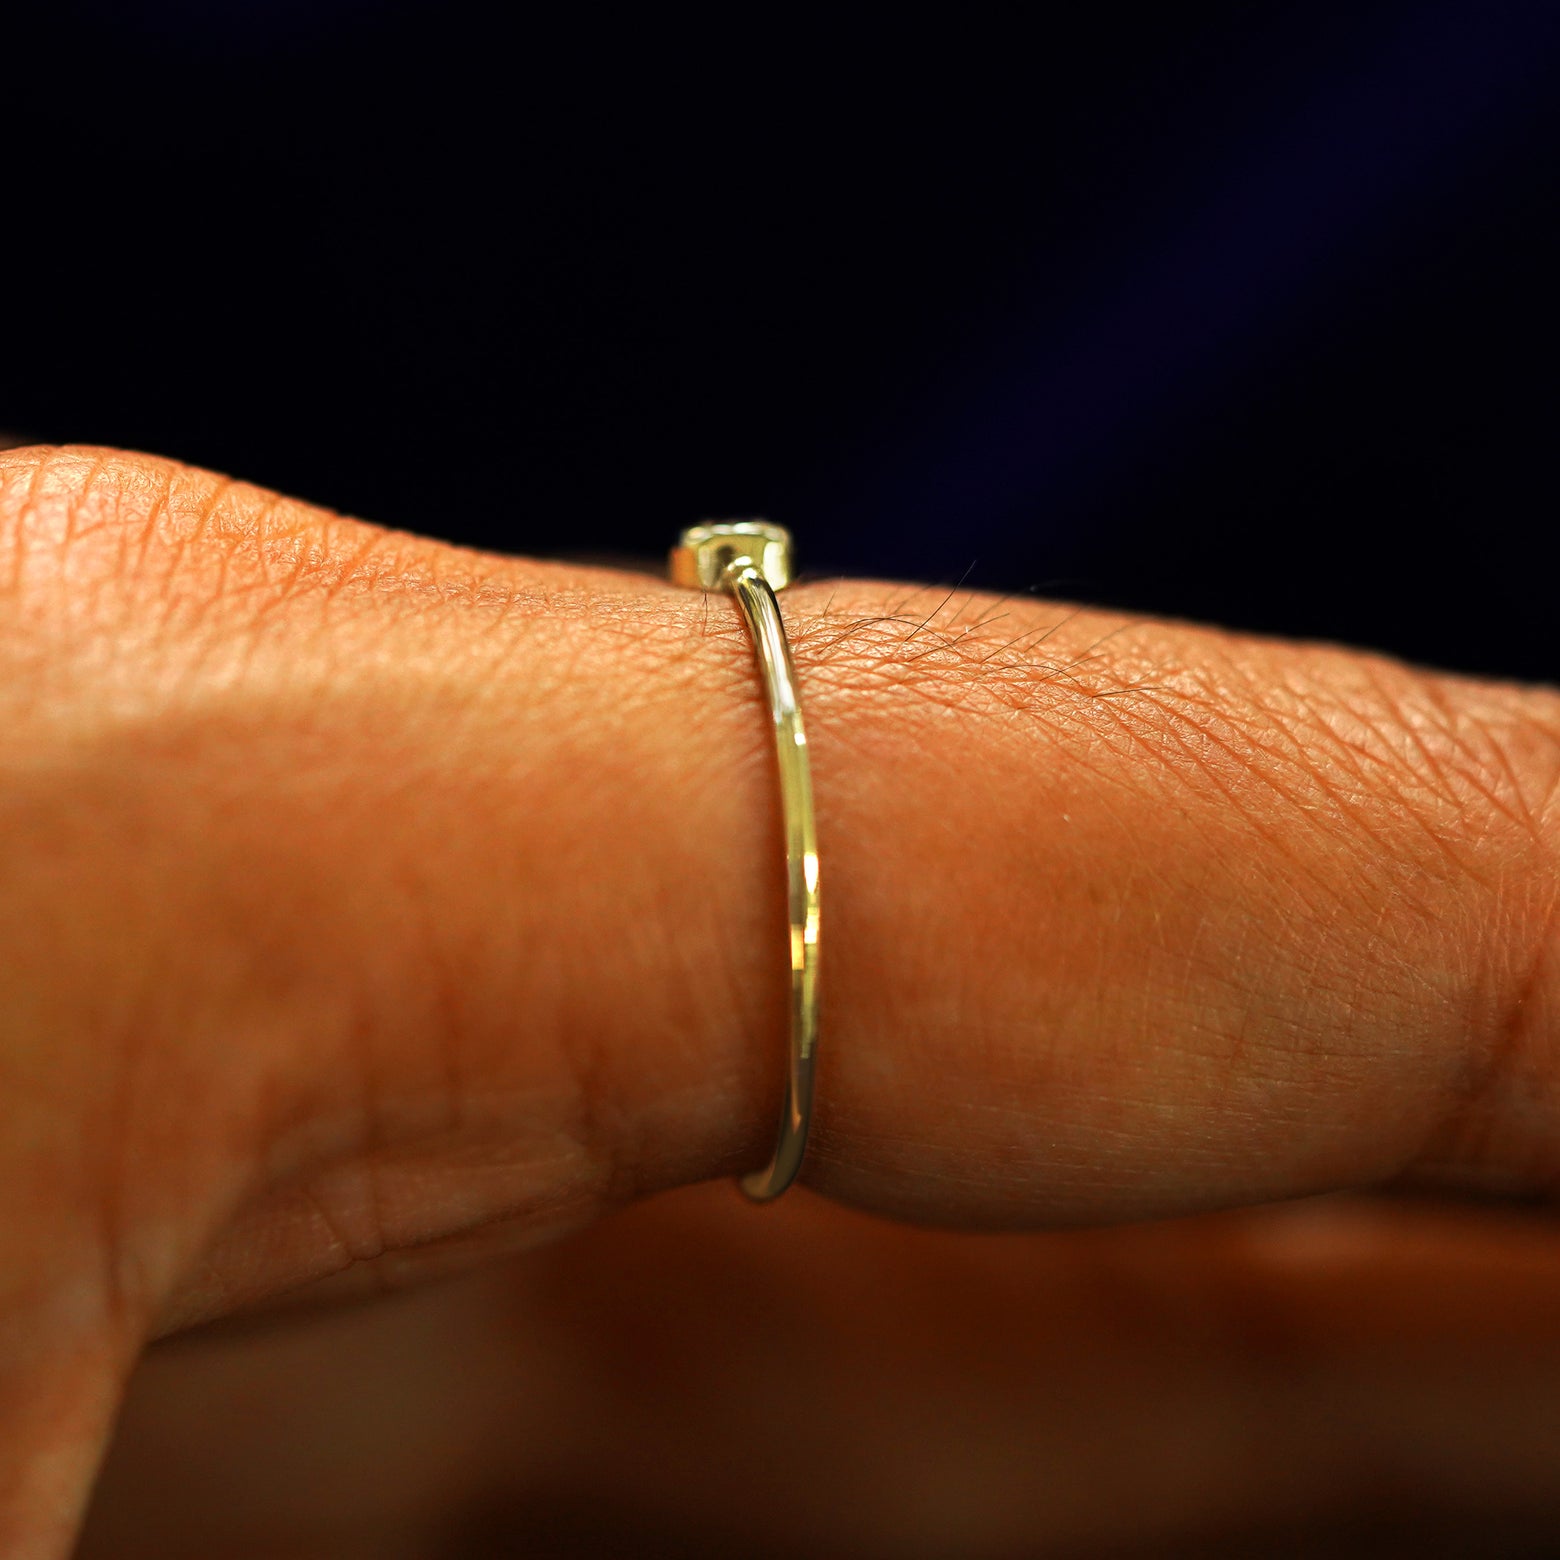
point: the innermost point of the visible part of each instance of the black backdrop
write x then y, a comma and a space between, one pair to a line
1230, 311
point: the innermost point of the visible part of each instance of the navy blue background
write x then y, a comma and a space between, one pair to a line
1235, 312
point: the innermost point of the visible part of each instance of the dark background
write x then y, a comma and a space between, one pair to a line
1230, 311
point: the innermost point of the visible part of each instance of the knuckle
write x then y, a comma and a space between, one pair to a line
70, 517
1497, 1130
97, 543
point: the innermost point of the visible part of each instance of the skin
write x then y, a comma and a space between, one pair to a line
372, 909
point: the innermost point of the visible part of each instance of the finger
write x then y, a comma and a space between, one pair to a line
368, 892
419, 889
1323, 1369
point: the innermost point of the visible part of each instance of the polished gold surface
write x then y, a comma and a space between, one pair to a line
751, 560
704, 553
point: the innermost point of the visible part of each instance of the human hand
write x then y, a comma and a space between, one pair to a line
374, 906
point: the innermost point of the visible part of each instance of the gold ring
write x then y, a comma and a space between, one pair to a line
751, 560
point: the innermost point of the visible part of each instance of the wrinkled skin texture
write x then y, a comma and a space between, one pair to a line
372, 908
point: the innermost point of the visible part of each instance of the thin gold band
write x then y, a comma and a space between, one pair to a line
751, 560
